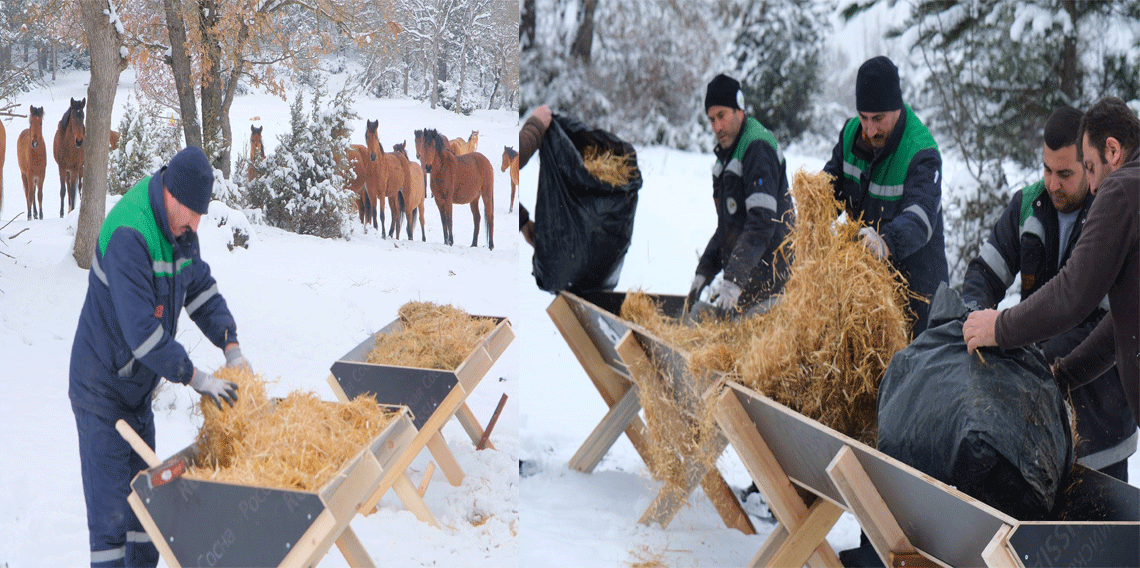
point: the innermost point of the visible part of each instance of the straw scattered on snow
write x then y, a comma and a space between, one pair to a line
299, 442
433, 337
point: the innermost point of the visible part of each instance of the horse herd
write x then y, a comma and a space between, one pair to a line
67, 148
460, 175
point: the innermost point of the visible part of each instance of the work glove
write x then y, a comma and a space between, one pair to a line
234, 358
874, 243
726, 296
698, 285
213, 387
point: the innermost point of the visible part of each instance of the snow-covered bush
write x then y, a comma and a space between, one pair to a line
134, 159
305, 186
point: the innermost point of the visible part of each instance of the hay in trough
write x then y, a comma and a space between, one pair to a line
607, 166
433, 337
820, 351
299, 442
842, 316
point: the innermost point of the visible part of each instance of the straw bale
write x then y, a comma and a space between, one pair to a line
299, 442
607, 166
433, 337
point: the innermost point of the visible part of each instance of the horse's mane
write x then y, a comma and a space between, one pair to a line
511, 152
66, 120
432, 136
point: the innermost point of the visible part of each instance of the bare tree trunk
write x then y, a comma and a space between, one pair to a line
526, 24
584, 41
211, 86
180, 65
462, 68
54, 59
103, 43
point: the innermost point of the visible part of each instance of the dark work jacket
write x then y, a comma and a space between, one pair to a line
754, 215
1026, 239
910, 221
140, 280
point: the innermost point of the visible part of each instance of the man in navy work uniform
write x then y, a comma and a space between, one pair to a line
1035, 236
146, 269
888, 172
753, 207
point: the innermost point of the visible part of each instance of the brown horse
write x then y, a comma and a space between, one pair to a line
68, 151
411, 201
466, 147
256, 152
364, 165
511, 160
31, 152
392, 175
459, 179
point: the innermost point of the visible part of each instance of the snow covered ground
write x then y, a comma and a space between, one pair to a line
300, 303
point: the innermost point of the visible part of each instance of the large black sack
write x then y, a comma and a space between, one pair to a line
998, 430
582, 226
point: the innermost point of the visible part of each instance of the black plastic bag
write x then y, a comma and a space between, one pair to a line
582, 226
999, 431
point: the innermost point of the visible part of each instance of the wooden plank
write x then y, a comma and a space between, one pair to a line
771, 545
431, 428
726, 503
471, 425
413, 501
422, 488
803, 448
783, 499
997, 553
474, 368
863, 500
611, 385
805, 539
152, 530
360, 481
352, 549
447, 462
336, 388
615, 422
670, 500
137, 443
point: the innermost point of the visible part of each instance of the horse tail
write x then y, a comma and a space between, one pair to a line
400, 200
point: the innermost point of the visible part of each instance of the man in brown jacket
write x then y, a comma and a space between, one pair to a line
530, 138
1105, 260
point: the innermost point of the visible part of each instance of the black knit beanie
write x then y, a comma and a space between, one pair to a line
724, 91
190, 179
877, 86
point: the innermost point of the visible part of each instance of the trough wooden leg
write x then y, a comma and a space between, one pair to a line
869, 508
471, 424
607, 431
438, 448
413, 501
352, 549
783, 499
152, 530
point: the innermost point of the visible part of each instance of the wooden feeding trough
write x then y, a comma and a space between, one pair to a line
433, 396
196, 522
612, 350
911, 518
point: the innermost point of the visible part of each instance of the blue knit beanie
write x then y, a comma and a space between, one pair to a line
190, 179
877, 86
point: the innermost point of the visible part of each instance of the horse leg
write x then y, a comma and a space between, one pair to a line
512, 207
28, 193
475, 221
62, 190
489, 211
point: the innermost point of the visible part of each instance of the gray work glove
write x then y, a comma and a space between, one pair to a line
234, 358
699, 283
726, 296
213, 387
874, 243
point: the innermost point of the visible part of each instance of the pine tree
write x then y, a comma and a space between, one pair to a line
305, 188
134, 158
777, 60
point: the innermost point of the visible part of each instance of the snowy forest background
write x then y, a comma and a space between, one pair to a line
982, 74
